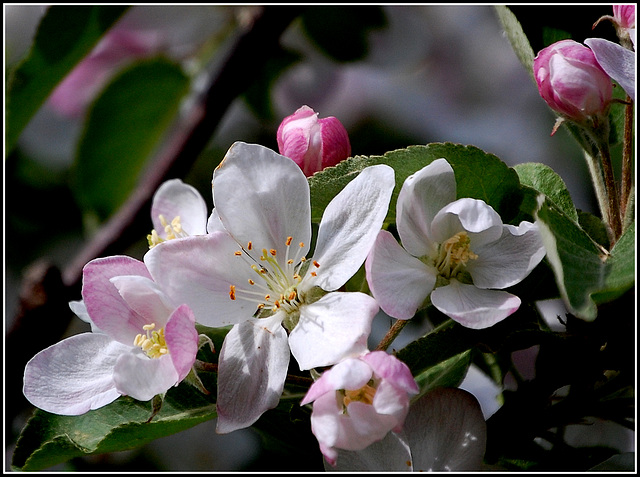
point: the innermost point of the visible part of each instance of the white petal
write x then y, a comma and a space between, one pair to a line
391, 454
476, 217
141, 377
333, 328
422, 195
173, 199
446, 431
198, 271
350, 224
262, 197
474, 307
80, 310
398, 281
214, 224
145, 298
508, 260
617, 61
75, 375
252, 369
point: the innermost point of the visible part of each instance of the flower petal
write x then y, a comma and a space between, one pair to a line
333, 328
262, 197
173, 199
474, 307
182, 340
617, 61
141, 377
509, 259
349, 373
476, 217
392, 369
199, 271
75, 375
398, 281
214, 224
107, 308
350, 224
422, 195
446, 431
144, 297
252, 369
391, 454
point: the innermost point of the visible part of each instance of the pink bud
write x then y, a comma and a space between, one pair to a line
571, 81
311, 142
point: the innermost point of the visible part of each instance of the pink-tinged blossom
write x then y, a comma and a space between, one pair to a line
140, 345
572, 82
358, 401
118, 46
458, 252
313, 143
256, 276
444, 431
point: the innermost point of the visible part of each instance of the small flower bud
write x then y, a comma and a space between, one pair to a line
572, 82
311, 142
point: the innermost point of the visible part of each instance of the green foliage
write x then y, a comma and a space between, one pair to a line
478, 175
125, 125
586, 273
66, 34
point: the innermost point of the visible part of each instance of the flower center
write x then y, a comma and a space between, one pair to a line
364, 395
152, 342
275, 286
453, 255
173, 230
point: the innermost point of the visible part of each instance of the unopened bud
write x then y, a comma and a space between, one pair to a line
311, 142
572, 82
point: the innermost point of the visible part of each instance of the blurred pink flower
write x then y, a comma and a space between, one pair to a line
72, 96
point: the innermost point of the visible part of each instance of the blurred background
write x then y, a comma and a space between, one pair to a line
425, 74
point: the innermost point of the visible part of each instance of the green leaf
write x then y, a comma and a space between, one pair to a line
586, 274
49, 439
517, 38
544, 179
124, 127
478, 175
446, 374
341, 32
66, 34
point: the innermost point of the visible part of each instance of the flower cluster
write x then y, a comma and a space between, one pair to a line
253, 264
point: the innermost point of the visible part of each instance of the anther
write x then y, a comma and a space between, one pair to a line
273, 252
249, 245
316, 264
289, 239
232, 292
237, 253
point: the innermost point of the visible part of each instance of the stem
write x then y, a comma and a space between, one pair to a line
627, 163
613, 203
391, 335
